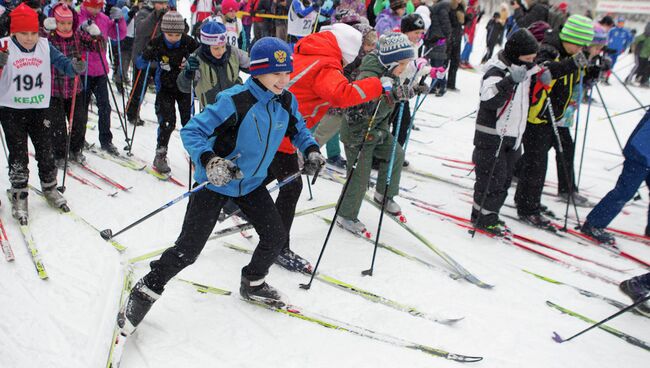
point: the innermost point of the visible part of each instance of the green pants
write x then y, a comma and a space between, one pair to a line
327, 130
379, 145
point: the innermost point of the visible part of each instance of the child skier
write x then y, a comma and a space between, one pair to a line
169, 52
500, 126
214, 66
71, 43
26, 83
389, 62
234, 27
232, 144
89, 15
301, 18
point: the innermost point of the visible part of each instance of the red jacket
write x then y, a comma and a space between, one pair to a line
324, 85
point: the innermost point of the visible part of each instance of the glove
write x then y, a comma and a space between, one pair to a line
116, 13
4, 57
90, 28
545, 78
49, 24
387, 84
605, 63
421, 63
192, 63
518, 73
313, 163
221, 171
403, 92
580, 60
438, 73
165, 66
422, 88
317, 4
79, 66
441, 42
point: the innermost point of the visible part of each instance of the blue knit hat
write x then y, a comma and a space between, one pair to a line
213, 34
270, 55
394, 47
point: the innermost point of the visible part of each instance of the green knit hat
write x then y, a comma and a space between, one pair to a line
578, 30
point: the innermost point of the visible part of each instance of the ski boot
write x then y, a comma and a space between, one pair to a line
137, 121
19, 209
293, 262
354, 226
136, 307
390, 207
539, 221
497, 229
578, 199
110, 149
635, 289
54, 197
260, 291
337, 161
78, 157
600, 235
160, 161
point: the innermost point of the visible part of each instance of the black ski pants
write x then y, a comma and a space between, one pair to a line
454, 62
538, 140
18, 124
166, 101
201, 216
58, 113
564, 161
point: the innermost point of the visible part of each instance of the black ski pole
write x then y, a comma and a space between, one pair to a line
391, 162
121, 66
584, 137
75, 85
628, 90
573, 151
311, 195
565, 169
110, 89
557, 338
340, 200
611, 123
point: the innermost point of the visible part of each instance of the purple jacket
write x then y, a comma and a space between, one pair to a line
107, 27
387, 21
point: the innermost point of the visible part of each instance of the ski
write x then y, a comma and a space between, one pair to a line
631, 236
621, 335
5, 245
103, 177
449, 159
118, 339
411, 170
297, 312
204, 289
587, 293
329, 280
118, 159
33, 251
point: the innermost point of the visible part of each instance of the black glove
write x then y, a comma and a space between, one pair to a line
313, 163
4, 57
192, 63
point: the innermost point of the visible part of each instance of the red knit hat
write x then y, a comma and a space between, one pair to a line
62, 13
93, 3
23, 19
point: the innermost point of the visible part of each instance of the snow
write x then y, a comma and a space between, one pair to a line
67, 321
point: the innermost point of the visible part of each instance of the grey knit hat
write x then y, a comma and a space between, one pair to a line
172, 22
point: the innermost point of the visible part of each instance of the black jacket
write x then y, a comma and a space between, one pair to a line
537, 12
169, 59
440, 23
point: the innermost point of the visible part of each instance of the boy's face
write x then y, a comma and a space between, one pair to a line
217, 51
415, 36
528, 59
27, 39
172, 37
368, 47
399, 69
571, 48
64, 26
93, 10
595, 50
274, 82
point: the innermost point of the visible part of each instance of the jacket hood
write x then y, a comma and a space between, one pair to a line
319, 44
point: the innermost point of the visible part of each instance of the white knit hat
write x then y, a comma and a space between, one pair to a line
348, 39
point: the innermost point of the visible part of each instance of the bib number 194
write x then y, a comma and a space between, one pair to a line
27, 82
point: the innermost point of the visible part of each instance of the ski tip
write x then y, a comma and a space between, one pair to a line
557, 338
106, 234
402, 219
367, 234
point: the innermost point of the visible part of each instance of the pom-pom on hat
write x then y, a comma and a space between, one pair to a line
213, 34
23, 19
270, 55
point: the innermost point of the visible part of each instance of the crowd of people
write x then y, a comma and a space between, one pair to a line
319, 72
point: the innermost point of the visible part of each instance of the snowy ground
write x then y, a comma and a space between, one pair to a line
67, 321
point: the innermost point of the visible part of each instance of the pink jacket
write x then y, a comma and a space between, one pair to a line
107, 27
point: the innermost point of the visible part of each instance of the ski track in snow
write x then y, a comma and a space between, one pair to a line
67, 321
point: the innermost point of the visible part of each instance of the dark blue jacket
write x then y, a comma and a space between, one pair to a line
250, 121
638, 145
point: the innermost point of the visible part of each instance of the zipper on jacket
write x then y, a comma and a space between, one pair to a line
268, 135
257, 127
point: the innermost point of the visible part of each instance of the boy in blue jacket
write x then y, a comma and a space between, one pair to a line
636, 170
232, 143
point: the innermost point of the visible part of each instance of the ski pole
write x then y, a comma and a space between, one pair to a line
121, 66
573, 151
108, 234
69, 137
629, 90
311, 195
100, 53
144, 89
611, 123
557, 338
584, 137
192, 107
340, 200
389, 174
624, 112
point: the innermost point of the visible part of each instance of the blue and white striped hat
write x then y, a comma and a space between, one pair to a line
270, 55
394, 47
213, 34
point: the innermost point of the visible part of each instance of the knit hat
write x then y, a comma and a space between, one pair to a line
213, 34
394, 47
270, 55
23, 19
607, 21
520, 43
347, 16
600, 35
93, 3
412, 22
539, 30
563, 7
172, 22
62, 13
348, 39
578, 30
368, 34
397, 4
228, 6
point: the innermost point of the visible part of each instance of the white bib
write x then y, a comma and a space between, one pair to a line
300, 27
27, 78
232, 30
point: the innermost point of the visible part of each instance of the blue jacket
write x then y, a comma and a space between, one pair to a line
250, 121
638, 145
619, 39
